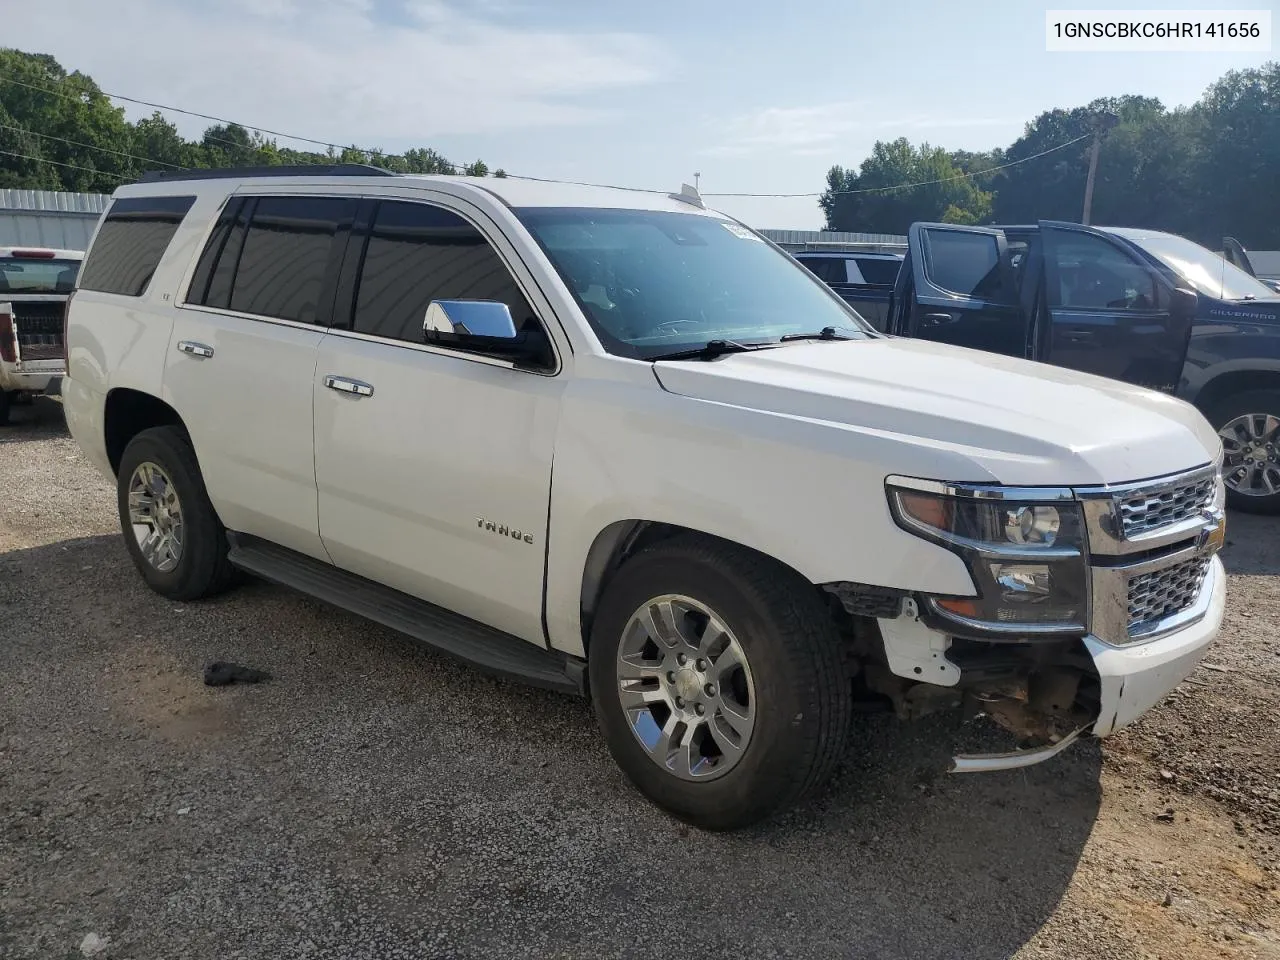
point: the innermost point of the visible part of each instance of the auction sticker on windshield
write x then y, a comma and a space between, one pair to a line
739, 231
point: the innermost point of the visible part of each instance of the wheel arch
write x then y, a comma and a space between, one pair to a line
127, 413
1231, 382
623, 538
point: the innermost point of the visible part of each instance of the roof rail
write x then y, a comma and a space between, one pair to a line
296, 170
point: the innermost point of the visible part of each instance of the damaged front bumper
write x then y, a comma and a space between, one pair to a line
1131, 679
1134, 678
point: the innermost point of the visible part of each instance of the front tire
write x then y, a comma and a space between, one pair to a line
719, 681
1249, 425
173, 533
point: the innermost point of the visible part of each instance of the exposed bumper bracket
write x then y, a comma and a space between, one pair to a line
986, 762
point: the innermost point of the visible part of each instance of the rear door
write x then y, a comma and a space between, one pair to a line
958, 286
1109, 309
243, 357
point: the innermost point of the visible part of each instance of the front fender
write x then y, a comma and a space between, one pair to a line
809, 494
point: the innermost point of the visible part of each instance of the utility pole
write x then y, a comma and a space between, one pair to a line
1105, 123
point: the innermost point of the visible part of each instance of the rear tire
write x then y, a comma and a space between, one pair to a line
172, 531
800, 692
1249, 425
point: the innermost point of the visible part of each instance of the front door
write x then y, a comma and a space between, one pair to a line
1110, 311
958, 286
433, 465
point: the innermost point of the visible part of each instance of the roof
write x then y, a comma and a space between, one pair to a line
1137, 233
514, 191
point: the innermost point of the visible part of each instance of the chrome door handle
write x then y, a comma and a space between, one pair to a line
356, 387
195, 349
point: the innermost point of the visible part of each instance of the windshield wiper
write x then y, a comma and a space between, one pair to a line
826, 333
712, 349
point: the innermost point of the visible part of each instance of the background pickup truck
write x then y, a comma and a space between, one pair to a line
1142, 306
35, 284
863, 280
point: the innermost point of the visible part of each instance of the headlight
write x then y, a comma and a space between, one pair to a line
1024, 549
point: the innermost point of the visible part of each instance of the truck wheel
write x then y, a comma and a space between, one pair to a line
172, 531
1249, 425
718, 678
6, 402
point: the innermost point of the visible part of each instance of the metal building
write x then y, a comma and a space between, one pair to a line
44, 218
794, 241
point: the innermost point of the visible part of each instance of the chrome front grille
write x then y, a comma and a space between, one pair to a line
1147, 511
1161, 594
1151, 546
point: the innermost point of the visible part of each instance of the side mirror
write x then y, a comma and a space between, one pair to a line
1184, 303
486, 327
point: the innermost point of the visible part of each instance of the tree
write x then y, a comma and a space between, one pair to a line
898, 185
58, 131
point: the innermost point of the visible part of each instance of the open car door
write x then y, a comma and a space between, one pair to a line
957, 286
1109, 310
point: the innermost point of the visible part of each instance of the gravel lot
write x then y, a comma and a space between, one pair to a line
376, 800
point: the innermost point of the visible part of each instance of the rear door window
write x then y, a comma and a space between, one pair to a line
287, 257
131, 242
967, 264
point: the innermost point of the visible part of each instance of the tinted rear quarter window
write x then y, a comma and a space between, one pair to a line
131, 242
827, 269
417, 253
288, 254
881, 272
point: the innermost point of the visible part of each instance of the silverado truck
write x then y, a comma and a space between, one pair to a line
588, 439
34, 286
1142, 306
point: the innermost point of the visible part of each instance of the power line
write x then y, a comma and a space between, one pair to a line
221, 120
74, 99
514, 176
580, 183
908, 186
59, 163
88, 146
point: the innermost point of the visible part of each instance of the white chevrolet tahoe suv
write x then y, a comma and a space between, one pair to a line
616, 444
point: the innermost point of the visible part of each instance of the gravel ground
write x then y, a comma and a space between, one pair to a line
378, 801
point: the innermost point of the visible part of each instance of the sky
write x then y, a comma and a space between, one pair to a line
753, 96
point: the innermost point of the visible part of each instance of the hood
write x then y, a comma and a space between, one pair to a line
997, 419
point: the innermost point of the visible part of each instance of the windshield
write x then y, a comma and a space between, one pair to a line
653, 282
1208, 272
37, 276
